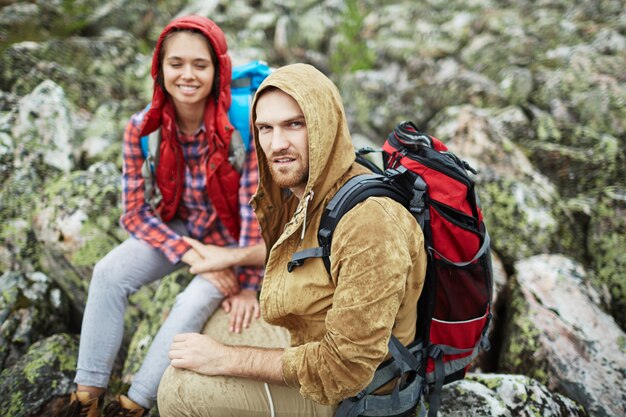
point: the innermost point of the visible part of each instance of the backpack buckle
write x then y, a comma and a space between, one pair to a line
291, 265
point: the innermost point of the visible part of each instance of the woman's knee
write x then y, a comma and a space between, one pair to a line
109, 280
201, 299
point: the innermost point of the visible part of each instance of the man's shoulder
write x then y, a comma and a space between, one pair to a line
379, 216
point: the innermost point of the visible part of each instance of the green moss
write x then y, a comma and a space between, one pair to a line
606, 243
492, 384
522, 340
97, 245
55, 350
15, 404
511, 205
621, 343
352, 53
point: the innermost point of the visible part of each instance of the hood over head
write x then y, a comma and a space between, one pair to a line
331, 152
161, 112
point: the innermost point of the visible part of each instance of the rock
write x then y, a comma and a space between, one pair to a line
43, 129
89, 70
31, 307
607, 240
76, 224
44, 372
557, 334
494, 395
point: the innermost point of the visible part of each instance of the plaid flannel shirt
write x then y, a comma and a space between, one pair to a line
195, 210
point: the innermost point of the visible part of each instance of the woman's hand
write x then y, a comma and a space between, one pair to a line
212, 258
225, 281
242, 308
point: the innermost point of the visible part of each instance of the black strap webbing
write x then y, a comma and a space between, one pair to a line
356, 190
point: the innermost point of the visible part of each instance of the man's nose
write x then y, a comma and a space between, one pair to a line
279, 140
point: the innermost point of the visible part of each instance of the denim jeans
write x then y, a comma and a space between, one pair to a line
119, 274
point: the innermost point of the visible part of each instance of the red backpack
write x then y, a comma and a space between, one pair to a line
454, 309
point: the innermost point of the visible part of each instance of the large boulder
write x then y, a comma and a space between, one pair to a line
33, 384
497, 395
32, 307
557, 334
76, 223
607, 240
90, 70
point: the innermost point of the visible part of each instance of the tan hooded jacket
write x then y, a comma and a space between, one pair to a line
339, 324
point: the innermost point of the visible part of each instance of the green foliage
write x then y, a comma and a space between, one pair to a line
351, 53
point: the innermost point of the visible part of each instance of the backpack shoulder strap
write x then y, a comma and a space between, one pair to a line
356, 190
245, 81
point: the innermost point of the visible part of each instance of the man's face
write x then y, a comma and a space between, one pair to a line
284, 139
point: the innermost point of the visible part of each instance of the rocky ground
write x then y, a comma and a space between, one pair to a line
531, 93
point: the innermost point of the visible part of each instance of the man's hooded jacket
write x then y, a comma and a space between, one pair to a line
339, 324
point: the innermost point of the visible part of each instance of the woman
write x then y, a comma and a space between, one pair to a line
202, 198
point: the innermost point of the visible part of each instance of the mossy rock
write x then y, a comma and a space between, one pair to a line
76, 222
32, 307
521, 220
607, 240
90, 70
521, 339
502, 395
43, 373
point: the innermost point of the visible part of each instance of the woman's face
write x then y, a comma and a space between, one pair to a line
188, 69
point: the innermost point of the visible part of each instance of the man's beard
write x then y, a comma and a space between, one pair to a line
290, 179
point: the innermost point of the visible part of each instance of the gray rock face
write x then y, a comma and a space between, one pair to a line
558, 334
43, 373
32, 307
494, 395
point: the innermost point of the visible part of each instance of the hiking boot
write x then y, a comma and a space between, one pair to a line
123, 407
82, 405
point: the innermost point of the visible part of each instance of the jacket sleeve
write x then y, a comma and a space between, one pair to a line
371, 260
249, 277
138, 218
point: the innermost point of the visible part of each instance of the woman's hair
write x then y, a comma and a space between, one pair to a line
216, 78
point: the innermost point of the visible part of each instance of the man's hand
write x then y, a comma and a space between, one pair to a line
198, 353
225, 281
204, 355
212, 257
242, 308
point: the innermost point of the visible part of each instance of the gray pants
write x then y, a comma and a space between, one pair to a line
119, 274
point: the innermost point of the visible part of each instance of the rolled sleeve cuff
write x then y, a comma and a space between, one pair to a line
176, 250
250, 278
290, 368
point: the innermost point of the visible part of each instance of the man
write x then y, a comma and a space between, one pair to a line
339, 324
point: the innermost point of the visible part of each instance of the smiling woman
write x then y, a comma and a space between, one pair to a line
188, 74
202, 218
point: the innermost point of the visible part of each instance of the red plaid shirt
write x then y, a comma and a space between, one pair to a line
195, 210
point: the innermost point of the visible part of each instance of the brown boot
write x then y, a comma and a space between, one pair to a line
82, 405
123, 407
